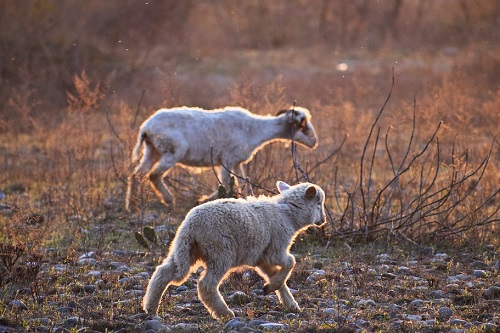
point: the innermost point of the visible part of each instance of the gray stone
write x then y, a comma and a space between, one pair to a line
479, 273
73, 322
185, 327
412, 317
17, 304
87, 262
389, 276
255, 323
492, 292
394, 308
364, 303
489, 328
234, 324
153, 324
457, 321
445, 313
416, 303
437, 294
181, 289
273, 326
479, 264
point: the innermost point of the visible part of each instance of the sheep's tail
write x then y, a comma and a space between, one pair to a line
136, 153
174, 270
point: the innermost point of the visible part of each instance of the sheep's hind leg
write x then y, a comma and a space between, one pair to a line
208, 293
156, 178
148, 160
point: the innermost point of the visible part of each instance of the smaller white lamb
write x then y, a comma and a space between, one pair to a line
227, 234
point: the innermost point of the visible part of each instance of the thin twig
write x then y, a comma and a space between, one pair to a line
138, 108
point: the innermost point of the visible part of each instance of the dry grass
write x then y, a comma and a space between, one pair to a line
426, 175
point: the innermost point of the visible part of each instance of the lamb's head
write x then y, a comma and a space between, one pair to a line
307, 199
298, 122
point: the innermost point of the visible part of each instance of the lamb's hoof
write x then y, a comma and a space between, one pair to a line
223, 316
267, 289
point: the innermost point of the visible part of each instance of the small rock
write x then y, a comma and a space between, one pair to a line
441, 256
457, 321
391, 293
492, 292
489, 328
87, 255
315, 275
364, 303
412, 317
17, 304
39, 321
153, 324
87, 262
73, 322
234, 324
181, 289
477, 264
240, 297
479, 273
186, 327
437, 294
445, 313
416, 303
273, 326
394, 308
66, 309
404, 270
388, 276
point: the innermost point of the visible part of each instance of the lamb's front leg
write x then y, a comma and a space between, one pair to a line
277, 280
284, 295
286, 298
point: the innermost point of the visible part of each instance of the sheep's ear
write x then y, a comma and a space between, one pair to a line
310, 193
282, 186
280, 112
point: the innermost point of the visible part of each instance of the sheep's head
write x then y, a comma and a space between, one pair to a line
309, 197
298, 120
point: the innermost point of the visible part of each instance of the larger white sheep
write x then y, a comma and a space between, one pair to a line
226, 234
205, 138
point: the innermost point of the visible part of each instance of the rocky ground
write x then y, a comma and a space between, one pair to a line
340, 289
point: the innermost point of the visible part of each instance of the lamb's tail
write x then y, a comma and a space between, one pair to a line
174, 270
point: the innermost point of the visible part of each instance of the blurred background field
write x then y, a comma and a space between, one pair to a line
77, 79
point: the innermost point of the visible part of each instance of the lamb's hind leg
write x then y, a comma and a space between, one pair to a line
208, 292
164, 275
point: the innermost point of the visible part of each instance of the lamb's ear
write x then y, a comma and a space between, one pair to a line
282, 186
310, 192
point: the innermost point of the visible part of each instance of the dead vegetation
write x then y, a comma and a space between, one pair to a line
408, 148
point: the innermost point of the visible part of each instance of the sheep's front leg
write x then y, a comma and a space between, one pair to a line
287, 262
